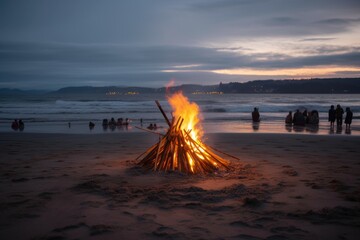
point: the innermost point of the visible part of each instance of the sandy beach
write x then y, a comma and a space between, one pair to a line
74, 186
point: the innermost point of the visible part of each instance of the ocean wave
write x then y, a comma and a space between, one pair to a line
222, 107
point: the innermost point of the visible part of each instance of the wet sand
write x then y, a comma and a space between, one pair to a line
285, 186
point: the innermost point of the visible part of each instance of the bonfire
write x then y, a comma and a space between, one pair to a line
181, 148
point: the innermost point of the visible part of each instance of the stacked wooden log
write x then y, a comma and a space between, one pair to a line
178, 151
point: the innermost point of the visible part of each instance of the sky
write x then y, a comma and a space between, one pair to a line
49, 44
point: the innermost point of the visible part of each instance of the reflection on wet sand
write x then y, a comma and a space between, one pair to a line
256, 126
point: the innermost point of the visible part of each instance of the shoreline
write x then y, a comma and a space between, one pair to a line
209, 127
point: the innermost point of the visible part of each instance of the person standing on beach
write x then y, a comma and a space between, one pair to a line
15, 125
289, 118
348, 117
299, 119
305, 114
21, 125
255, 115
339, 115
332, 115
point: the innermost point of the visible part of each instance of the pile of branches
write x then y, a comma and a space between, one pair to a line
178, 151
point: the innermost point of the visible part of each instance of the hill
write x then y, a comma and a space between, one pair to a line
331, 85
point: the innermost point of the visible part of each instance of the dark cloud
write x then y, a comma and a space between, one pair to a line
279, 17
329, 50
335, 25
346, 59
283, 21
142, 22
50, 65
317, 39
339, 21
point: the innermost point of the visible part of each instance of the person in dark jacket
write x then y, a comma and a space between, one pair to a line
299, 119
332, 115
339, 115
21, 125
348, 117
289, 118
255, 115
15, 125
306, 116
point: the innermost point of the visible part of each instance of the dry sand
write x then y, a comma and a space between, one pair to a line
286, 186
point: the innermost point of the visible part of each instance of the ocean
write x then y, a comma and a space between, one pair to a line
219, 112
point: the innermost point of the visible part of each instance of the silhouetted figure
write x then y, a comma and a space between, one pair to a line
313, 117
255, 115
21, 125
348, 118
69, 124
339, 115
105, 124
299, 119
112, 122
332, 116
306, 117
151, 126
127, 121
155, 126
15, 125
141, 121
289, 118
91, 125
120, 122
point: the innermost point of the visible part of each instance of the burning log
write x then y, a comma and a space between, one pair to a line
181, 150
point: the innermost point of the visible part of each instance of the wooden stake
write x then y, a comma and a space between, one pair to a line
163, 113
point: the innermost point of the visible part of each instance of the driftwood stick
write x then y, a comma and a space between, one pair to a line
216, 158
197, 146
163, 113
159, 148
147, 130
206, 162
217, 150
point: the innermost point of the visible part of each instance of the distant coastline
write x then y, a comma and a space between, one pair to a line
288, 86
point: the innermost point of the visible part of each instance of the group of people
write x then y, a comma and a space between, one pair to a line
337, 114
312, 117
18, 125
302, 118
152, 126
112, 122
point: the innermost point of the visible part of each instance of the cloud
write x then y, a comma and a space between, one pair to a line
282, 21
317, 39
339, 21
195, 23
54, 65
241, 19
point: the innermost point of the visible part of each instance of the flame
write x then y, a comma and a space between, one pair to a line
189, 112
181, 147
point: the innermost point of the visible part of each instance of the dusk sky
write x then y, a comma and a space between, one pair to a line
51, 44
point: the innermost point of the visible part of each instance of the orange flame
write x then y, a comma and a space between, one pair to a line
189, 112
